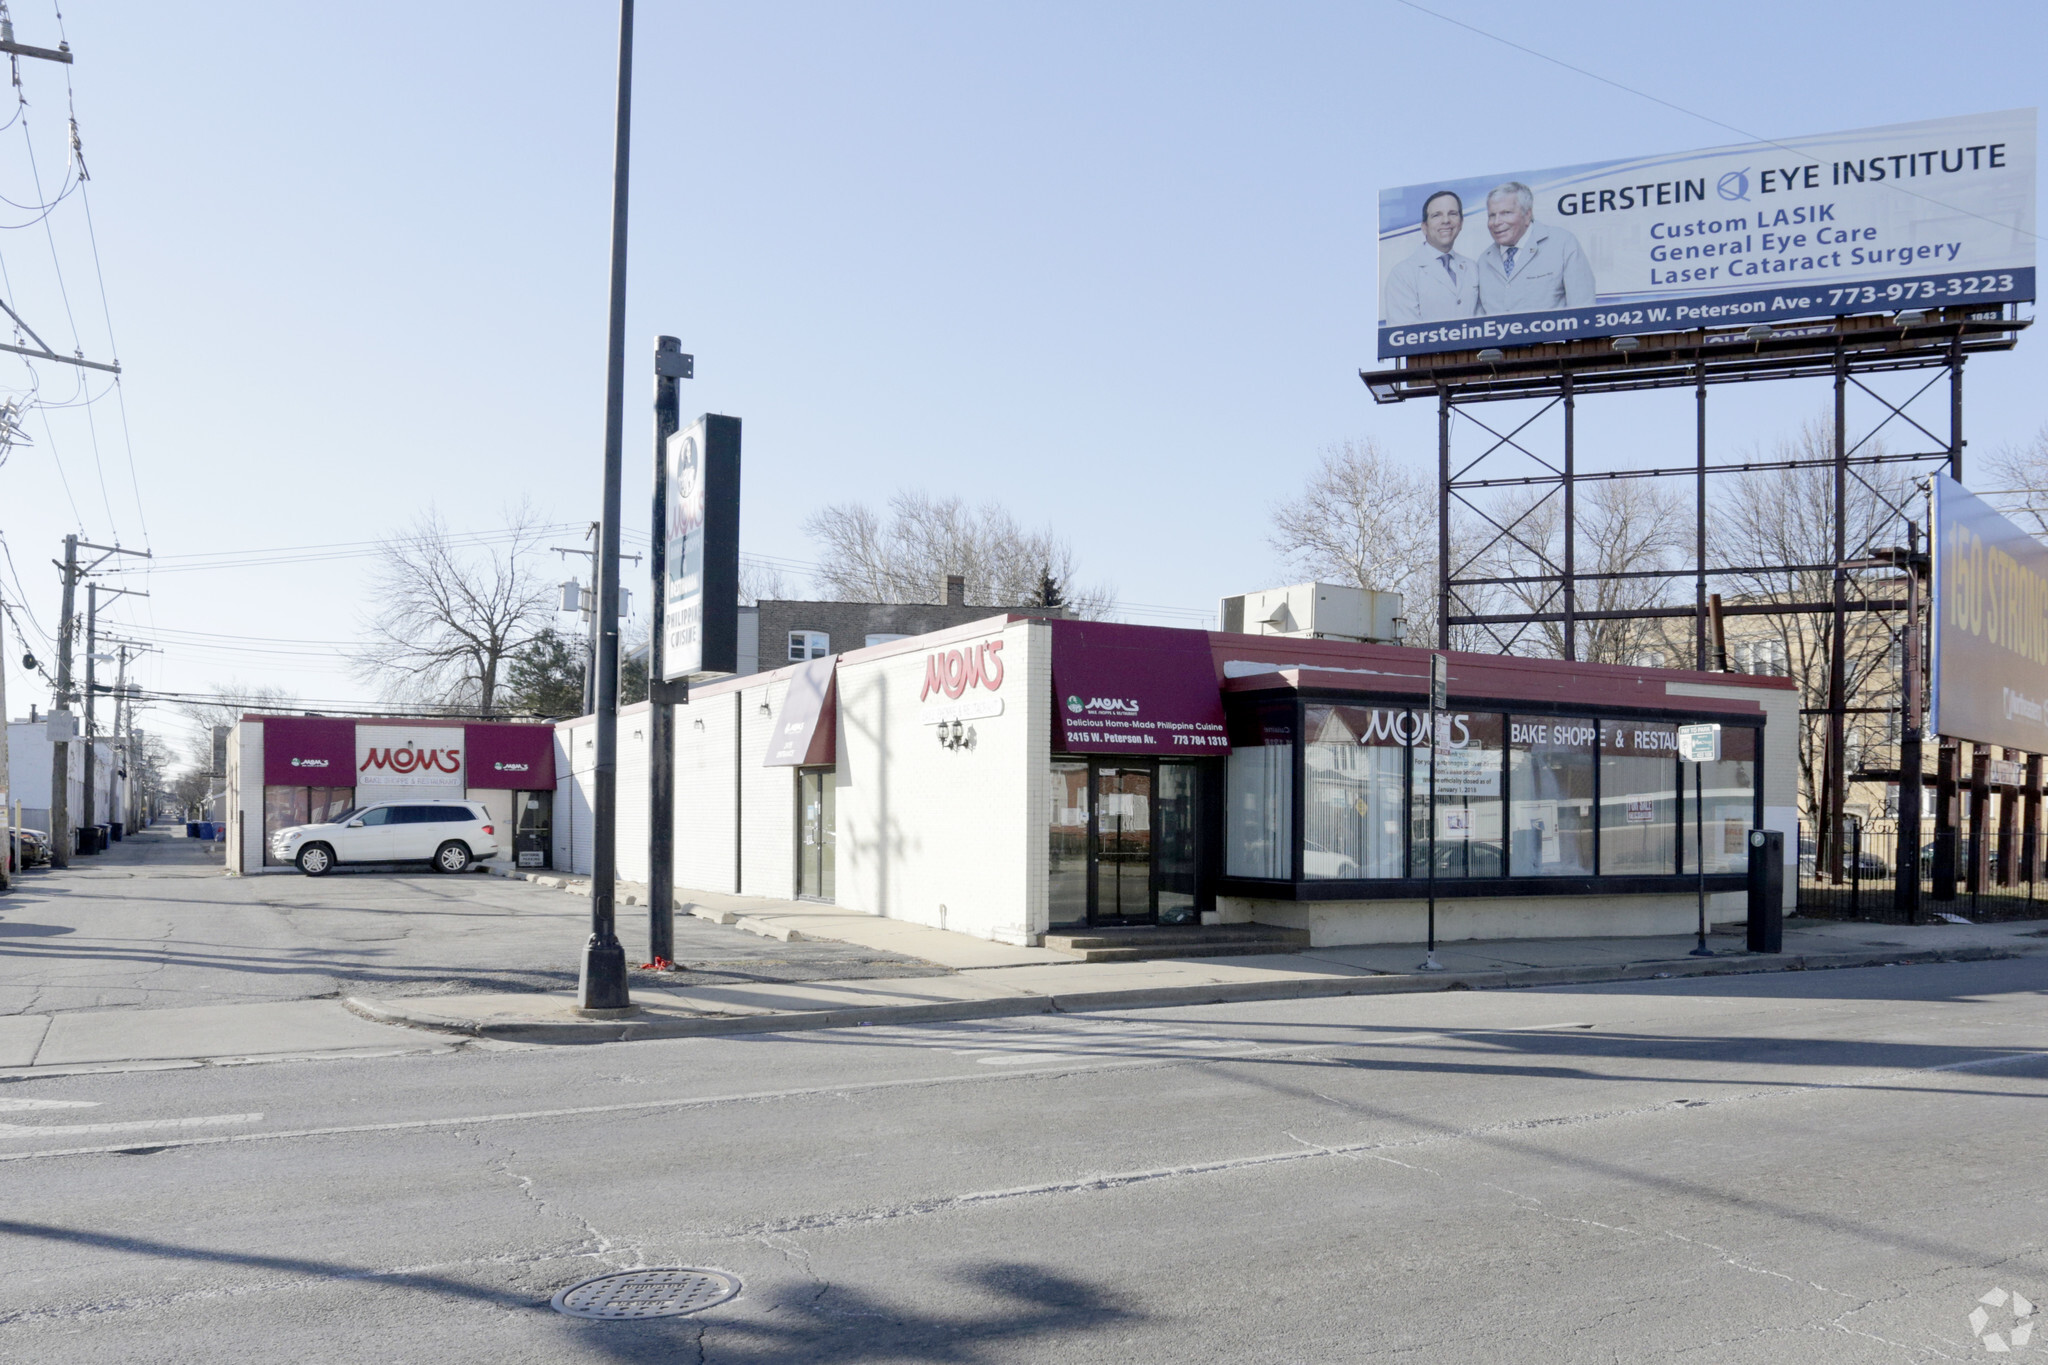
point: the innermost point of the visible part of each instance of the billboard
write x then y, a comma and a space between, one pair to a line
700, 599
1990, 674
1910, 215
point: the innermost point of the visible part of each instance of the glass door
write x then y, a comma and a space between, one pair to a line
814, 871
1122, 845
533, 829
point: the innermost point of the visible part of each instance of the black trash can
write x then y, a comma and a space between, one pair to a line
1766, 891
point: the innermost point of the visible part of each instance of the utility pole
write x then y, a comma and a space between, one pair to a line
670, 365
60, 752
92, 630
602, 983
60, 757
586, 606
7, 858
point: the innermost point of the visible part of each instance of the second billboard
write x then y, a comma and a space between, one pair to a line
1911, 215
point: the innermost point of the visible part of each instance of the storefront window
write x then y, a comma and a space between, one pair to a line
1259, 790
1550, 796
1067, 882
1175, 863
1354, 792
284, 807
1638, 797
1468, 797
1728, 802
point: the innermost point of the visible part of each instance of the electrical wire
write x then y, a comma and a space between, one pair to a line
1694, 113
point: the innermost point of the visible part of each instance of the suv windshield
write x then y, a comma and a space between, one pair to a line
342, 817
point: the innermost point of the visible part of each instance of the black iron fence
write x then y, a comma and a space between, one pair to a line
1867, 888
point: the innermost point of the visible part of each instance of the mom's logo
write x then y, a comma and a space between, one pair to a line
309, 763
410, 760
507, 767
953, 671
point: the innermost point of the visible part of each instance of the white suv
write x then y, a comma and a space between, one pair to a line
448, 834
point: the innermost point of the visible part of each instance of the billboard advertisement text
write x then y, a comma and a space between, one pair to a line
1990, 674
1881, 219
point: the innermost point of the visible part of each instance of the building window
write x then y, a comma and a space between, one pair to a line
871, 641
1354, 790
1727, 801
808, 644
1764, 658
1638, 797
1067, 865
1550, 796
1258, 784
1468, 797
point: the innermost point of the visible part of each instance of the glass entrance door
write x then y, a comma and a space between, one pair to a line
1122, 846
815, 875
533, 829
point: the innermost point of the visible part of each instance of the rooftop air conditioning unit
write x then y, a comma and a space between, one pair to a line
1317, 611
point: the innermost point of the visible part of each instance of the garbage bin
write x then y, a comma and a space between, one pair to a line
1766, 891
191, 829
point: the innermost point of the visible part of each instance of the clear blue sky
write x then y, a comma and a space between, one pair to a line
1110, 265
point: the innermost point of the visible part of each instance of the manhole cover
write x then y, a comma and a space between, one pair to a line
646, 1294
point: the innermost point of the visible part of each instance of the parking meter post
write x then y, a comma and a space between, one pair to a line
1439, 700
661, 738
1699, 840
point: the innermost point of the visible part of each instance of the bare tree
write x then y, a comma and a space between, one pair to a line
2020, 476
1786, 517
453, 611
759, 581
905, 553
1367, 522
225, 704
1623, 526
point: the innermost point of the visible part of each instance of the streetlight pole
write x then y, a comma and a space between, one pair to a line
602, 985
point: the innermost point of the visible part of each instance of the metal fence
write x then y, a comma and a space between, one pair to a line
1866, 890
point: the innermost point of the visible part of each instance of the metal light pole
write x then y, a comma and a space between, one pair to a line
602, 985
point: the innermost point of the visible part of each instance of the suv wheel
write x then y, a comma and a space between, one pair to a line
316, 860
452, 856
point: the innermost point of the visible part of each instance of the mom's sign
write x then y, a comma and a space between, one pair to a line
394, 756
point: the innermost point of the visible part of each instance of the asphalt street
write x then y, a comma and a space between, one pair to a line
1822, 1166
154, 923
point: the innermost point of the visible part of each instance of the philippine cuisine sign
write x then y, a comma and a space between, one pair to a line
1910, 215
1120, 689
1990, 674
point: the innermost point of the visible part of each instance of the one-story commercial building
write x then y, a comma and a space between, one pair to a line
1012, 777
297, 770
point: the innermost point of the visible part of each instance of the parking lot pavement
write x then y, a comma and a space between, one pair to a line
153, 923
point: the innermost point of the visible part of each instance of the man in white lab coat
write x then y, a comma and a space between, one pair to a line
1434, 283
1531, 267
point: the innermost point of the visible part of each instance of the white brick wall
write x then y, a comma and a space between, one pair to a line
706, 811
937, 836
768, 815
245, 798
1781, 763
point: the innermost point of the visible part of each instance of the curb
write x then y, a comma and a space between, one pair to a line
568, 882
1147, 997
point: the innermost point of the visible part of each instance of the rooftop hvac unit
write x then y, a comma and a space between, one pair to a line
1317, 611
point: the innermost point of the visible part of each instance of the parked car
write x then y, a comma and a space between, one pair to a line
35, 847
447, 835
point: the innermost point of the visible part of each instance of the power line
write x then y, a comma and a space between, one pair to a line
1689, 113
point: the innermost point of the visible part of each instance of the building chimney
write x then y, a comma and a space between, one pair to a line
956, 590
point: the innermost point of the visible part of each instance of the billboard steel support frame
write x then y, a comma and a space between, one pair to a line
1853, 350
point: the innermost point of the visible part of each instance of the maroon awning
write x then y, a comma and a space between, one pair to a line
807, 728
517, 757
308, 751
1135, 690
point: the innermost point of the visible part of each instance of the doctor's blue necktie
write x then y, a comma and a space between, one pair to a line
1507, 264
1449, 269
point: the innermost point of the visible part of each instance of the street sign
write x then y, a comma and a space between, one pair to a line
1440, 682
1699, 743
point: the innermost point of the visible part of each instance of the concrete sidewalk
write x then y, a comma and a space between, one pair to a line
1009, 981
